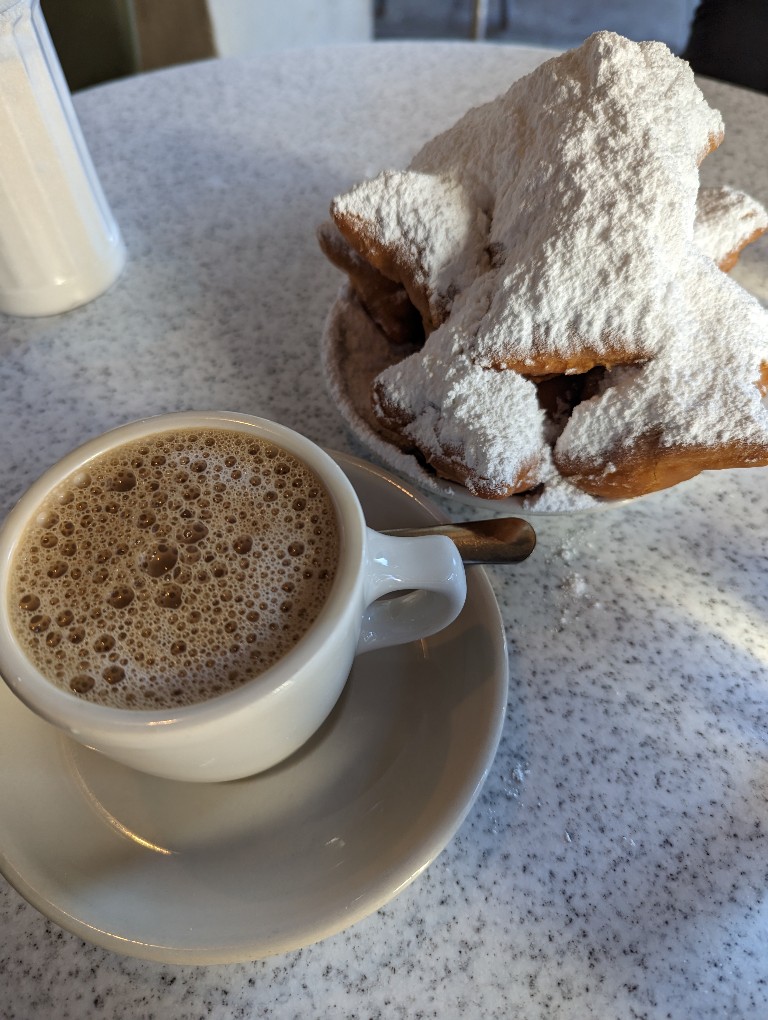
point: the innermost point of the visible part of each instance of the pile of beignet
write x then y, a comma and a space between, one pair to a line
550, 275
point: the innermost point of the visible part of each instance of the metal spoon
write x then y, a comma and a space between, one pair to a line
502, 540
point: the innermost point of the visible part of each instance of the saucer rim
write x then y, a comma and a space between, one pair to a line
386, 886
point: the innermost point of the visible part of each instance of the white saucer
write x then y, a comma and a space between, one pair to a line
354, 351
182, 873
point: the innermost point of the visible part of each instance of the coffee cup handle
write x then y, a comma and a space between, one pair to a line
428, 571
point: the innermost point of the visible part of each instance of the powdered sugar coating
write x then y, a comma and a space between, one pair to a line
585, 229
699, 392
471, 415
726, 220
430, 221
587, 172
354, 353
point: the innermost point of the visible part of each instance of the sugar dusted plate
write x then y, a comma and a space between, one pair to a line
354, 351
188, 873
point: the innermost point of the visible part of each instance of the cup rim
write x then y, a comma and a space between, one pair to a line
66, 710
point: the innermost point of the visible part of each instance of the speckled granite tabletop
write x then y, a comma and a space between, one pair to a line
615, 862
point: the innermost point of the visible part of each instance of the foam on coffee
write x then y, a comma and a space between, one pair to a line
173, 568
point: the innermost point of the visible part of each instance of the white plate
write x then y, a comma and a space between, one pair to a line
182, 873
353, 352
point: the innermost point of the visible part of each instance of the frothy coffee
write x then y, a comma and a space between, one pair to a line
173, 568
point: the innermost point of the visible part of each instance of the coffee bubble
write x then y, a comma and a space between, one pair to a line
160, 559
122, 481
82, 683
169, 596
192, 533
121, 597
114, 674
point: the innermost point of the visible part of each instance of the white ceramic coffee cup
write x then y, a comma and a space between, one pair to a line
266, 719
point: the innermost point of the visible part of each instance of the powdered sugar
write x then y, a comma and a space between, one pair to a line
571, 138
550, 231
699, 392
726, 219
354, 352
429, 222
470, 415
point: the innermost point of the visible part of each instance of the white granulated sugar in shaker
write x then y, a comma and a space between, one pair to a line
59, 244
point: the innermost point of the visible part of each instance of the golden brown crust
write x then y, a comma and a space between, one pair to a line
714, 142
392, 262
386, 302
762, 381
452, 467
581, 357
446, 459
390, 421
729, 261
650, 465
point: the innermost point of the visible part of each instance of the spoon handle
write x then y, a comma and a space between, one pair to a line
500, 540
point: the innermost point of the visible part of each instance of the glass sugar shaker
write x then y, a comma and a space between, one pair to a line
59, 244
